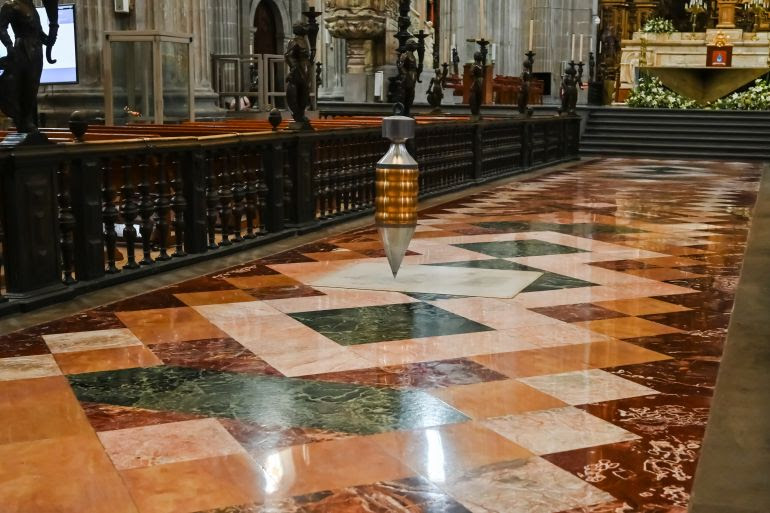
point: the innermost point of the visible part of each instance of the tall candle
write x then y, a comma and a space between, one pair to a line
531, 34
573, 47
580, 53
454, 40
482, 19
591, 46
494, 52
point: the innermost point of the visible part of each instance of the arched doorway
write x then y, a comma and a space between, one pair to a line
267, 28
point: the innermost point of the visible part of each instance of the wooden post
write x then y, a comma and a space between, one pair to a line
30, 247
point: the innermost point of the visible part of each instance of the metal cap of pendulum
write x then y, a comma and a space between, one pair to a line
397, 187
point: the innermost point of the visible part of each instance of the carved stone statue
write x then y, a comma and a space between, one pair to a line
298, 82
23, 66
409, 72
477, 86
569, 91
436, 89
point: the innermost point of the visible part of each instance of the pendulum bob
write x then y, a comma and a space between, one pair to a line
397, 189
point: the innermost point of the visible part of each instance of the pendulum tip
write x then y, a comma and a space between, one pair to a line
396, 241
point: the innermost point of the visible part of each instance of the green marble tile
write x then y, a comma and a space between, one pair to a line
520, 226
577, 229
548, 281
354, 326
267, 400
423, 296
518, 248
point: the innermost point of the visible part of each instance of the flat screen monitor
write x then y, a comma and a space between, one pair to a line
65, 71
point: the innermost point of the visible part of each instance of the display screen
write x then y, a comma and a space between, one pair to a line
65, 71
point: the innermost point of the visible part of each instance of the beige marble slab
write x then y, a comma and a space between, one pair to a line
27, 367
90, 340
456, 281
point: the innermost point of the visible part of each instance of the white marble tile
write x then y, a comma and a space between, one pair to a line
495, 313
430, 279
558, 430
27, 367
339, 298
522, 486
585, 387
91, 340
320, 360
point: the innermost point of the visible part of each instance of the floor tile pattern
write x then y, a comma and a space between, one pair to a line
252, 391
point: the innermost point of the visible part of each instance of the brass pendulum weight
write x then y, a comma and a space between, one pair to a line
397, 187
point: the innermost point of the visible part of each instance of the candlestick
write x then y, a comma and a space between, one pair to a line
531, 33
580, 53
572, 54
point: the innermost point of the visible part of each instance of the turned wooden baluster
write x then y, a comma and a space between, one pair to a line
146, 209
323, 175
238, 190
321, 159
225, 201
110, 217
262, 192
163, 209
212, 201
251, 192
66, 225
178, 206
129, 210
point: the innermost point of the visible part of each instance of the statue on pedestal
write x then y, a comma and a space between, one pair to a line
23, 66
298, 81
436, 89
477, 86
409, 72
569, 90
526, 83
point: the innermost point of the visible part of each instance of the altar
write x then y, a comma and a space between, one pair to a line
663, 54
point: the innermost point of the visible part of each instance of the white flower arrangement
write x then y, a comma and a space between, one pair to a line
658, 26
757, 97
652, 94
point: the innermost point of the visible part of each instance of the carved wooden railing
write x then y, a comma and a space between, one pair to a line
77, 217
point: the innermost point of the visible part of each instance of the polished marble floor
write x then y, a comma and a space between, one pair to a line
253, 390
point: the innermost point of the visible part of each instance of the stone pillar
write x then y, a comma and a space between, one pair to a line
356, 21
644, 11
94, 18
726, 14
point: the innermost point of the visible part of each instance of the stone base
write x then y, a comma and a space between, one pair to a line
359, 87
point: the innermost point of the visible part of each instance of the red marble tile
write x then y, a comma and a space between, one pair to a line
687, 377
579, 312
257, 439
437, 374
22, 343
222, 354
107, 417
647, 474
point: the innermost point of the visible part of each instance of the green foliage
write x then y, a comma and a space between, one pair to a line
658, 26
652, 94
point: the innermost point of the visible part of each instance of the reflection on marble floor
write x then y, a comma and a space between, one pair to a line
266, 389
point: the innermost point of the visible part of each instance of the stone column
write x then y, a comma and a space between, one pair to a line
356, 21
726, 14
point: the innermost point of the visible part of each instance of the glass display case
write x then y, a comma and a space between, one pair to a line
147, 78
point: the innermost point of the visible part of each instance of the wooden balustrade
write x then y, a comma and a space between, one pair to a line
78, 216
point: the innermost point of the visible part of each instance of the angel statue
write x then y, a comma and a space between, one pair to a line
23, 66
